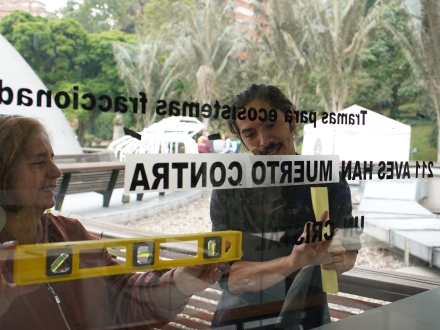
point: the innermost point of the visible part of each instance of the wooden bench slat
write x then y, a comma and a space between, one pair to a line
384, 285
82, 179
81, 182
198, 313
191, 323
340, 314
87, 185
209, 295
209, 306
91, 188
171, 326
89, 155
394, 278
355, 303
91, 174
365, 282
91, 167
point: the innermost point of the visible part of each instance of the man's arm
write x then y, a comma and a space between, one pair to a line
254, 275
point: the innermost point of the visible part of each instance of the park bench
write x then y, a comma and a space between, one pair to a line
90, 155
100, 177
90, 172
361, 289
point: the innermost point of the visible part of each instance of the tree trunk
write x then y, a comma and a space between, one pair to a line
435, 97
83, 127
205, 83
394, 107
81, 133
437, 110
438, 140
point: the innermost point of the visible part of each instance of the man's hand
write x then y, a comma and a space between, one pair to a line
197, 278
10, 291
342, 260
313, 253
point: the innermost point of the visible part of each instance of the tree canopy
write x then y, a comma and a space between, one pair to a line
327, 54
64, 55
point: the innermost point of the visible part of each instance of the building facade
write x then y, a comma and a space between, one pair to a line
36, 8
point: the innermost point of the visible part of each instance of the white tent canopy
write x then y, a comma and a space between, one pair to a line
380, 139
16, 73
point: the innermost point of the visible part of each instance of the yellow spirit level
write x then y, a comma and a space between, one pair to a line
54, 262
320, 204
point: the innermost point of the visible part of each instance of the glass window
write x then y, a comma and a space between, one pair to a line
233, 164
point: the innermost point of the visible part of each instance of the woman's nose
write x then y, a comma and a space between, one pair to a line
54, 171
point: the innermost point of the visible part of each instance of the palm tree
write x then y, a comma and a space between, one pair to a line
142, 69
204, 48
338, 31
422, 51
286, 42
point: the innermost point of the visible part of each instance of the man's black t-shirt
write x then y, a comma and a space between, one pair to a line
272, 219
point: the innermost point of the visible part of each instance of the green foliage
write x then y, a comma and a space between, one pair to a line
420, 137
421, 48
143, 69
157, 15
325, 54
8, 22
387, 76
64, 55
97, 15
54, 49
204, 49
92, 141
286, 46
309, 100
337, 32
433, 139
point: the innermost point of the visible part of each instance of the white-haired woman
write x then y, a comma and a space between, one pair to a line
28, 177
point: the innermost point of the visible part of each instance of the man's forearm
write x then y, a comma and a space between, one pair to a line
256, 276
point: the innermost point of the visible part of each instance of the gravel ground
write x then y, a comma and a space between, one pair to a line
194, 218
376, 254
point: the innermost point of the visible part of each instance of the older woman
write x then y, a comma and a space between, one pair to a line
28, 177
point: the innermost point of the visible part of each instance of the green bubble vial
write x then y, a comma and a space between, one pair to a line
58, 262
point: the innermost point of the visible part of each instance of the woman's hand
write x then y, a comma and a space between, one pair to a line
10, 291
312, 253
197, 278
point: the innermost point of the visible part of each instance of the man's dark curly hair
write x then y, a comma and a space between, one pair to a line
268, 93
